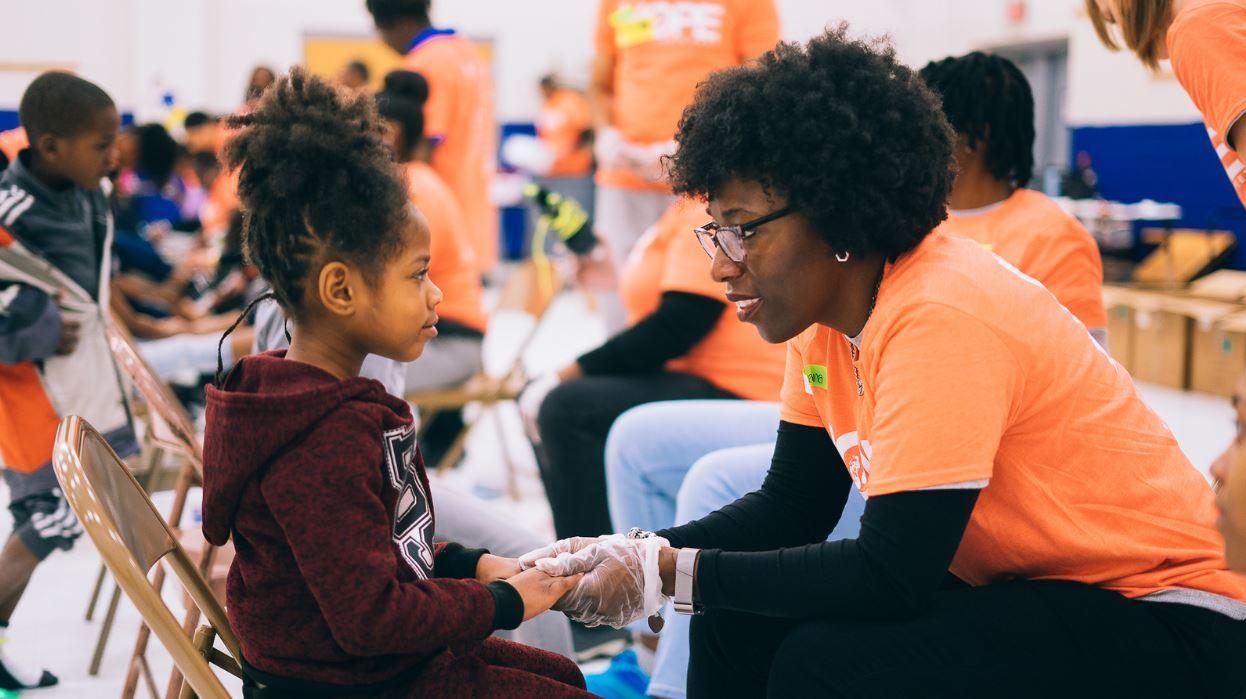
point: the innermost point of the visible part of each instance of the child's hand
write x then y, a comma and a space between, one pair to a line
541, 591
491, 568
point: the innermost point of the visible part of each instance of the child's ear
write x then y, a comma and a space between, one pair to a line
336, 288
48, 146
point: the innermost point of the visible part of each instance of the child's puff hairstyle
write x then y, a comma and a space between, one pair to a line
852, 137
988, 99
402, 100
317, 183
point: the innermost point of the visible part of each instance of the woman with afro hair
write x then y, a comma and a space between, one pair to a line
1031, 528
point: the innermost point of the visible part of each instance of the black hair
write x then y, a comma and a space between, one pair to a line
197, 119
549, 81
62, 104
852, 138
316, 183
987, 98
402, 100
359, 68
157, 153
386, 12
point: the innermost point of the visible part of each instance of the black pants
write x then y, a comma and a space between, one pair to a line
574, 422
1019, 639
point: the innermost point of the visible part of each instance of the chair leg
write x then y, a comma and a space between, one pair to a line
95, 593
455, 452
512, 480
138, 658
203, 640
148, 679
105, 631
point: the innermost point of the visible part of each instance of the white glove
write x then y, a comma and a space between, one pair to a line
608, 147
621, 582
530, 403
573, 545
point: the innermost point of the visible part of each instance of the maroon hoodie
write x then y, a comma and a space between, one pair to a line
320, 484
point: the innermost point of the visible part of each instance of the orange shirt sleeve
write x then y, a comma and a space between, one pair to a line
796, 401
1207, 44
758, 29
943, 385
1075, 274
603, 38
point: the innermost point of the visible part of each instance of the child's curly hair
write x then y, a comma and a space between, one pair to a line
316, 183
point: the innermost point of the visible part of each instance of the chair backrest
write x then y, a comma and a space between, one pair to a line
168, 415
132, 537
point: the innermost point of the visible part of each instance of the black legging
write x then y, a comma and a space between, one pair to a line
575, 419
1018, 639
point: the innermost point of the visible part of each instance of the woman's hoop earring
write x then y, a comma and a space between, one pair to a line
842, 256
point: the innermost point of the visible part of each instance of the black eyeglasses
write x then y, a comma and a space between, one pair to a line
731, 238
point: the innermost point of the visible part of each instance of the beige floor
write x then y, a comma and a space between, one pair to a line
49, 626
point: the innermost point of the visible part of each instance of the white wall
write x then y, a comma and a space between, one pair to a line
205, 49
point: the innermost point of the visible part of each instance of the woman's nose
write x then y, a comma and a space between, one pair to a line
723, 268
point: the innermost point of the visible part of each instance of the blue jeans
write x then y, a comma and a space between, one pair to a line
674, 462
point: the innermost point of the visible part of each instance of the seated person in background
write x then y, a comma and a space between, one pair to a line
565, 126
988, 101
454, 356
55, 230
162, 189
355, 76
994, 439
683, 342
1229, 472
380, 610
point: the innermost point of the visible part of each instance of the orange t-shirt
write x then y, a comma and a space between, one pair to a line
459, 112
669, 258
453, 267
561, 124
661, 51
1032, 233
12, 142
971, 374
1207, 46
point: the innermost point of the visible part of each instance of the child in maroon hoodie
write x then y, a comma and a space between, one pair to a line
337, 588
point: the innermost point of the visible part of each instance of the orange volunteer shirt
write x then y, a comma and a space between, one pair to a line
1032, 233
560, 124
459, 113
669, 258
12, 142
1207, 47
661, 51
970, 373
453, 267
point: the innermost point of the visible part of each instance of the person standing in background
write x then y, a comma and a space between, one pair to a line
650, 57
565, 126
1205, 40
355, 76
459, 114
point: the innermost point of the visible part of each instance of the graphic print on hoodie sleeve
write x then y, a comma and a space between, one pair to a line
413, 517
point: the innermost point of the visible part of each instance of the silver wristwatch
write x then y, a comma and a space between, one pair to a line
685, 573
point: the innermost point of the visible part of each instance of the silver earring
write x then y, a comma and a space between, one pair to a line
842, 256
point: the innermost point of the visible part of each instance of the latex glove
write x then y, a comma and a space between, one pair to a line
608, 146
530, 403
621, 583
573, 545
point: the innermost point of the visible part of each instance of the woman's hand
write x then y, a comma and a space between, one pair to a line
540, 590
572, 545
490, 568
621, 581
